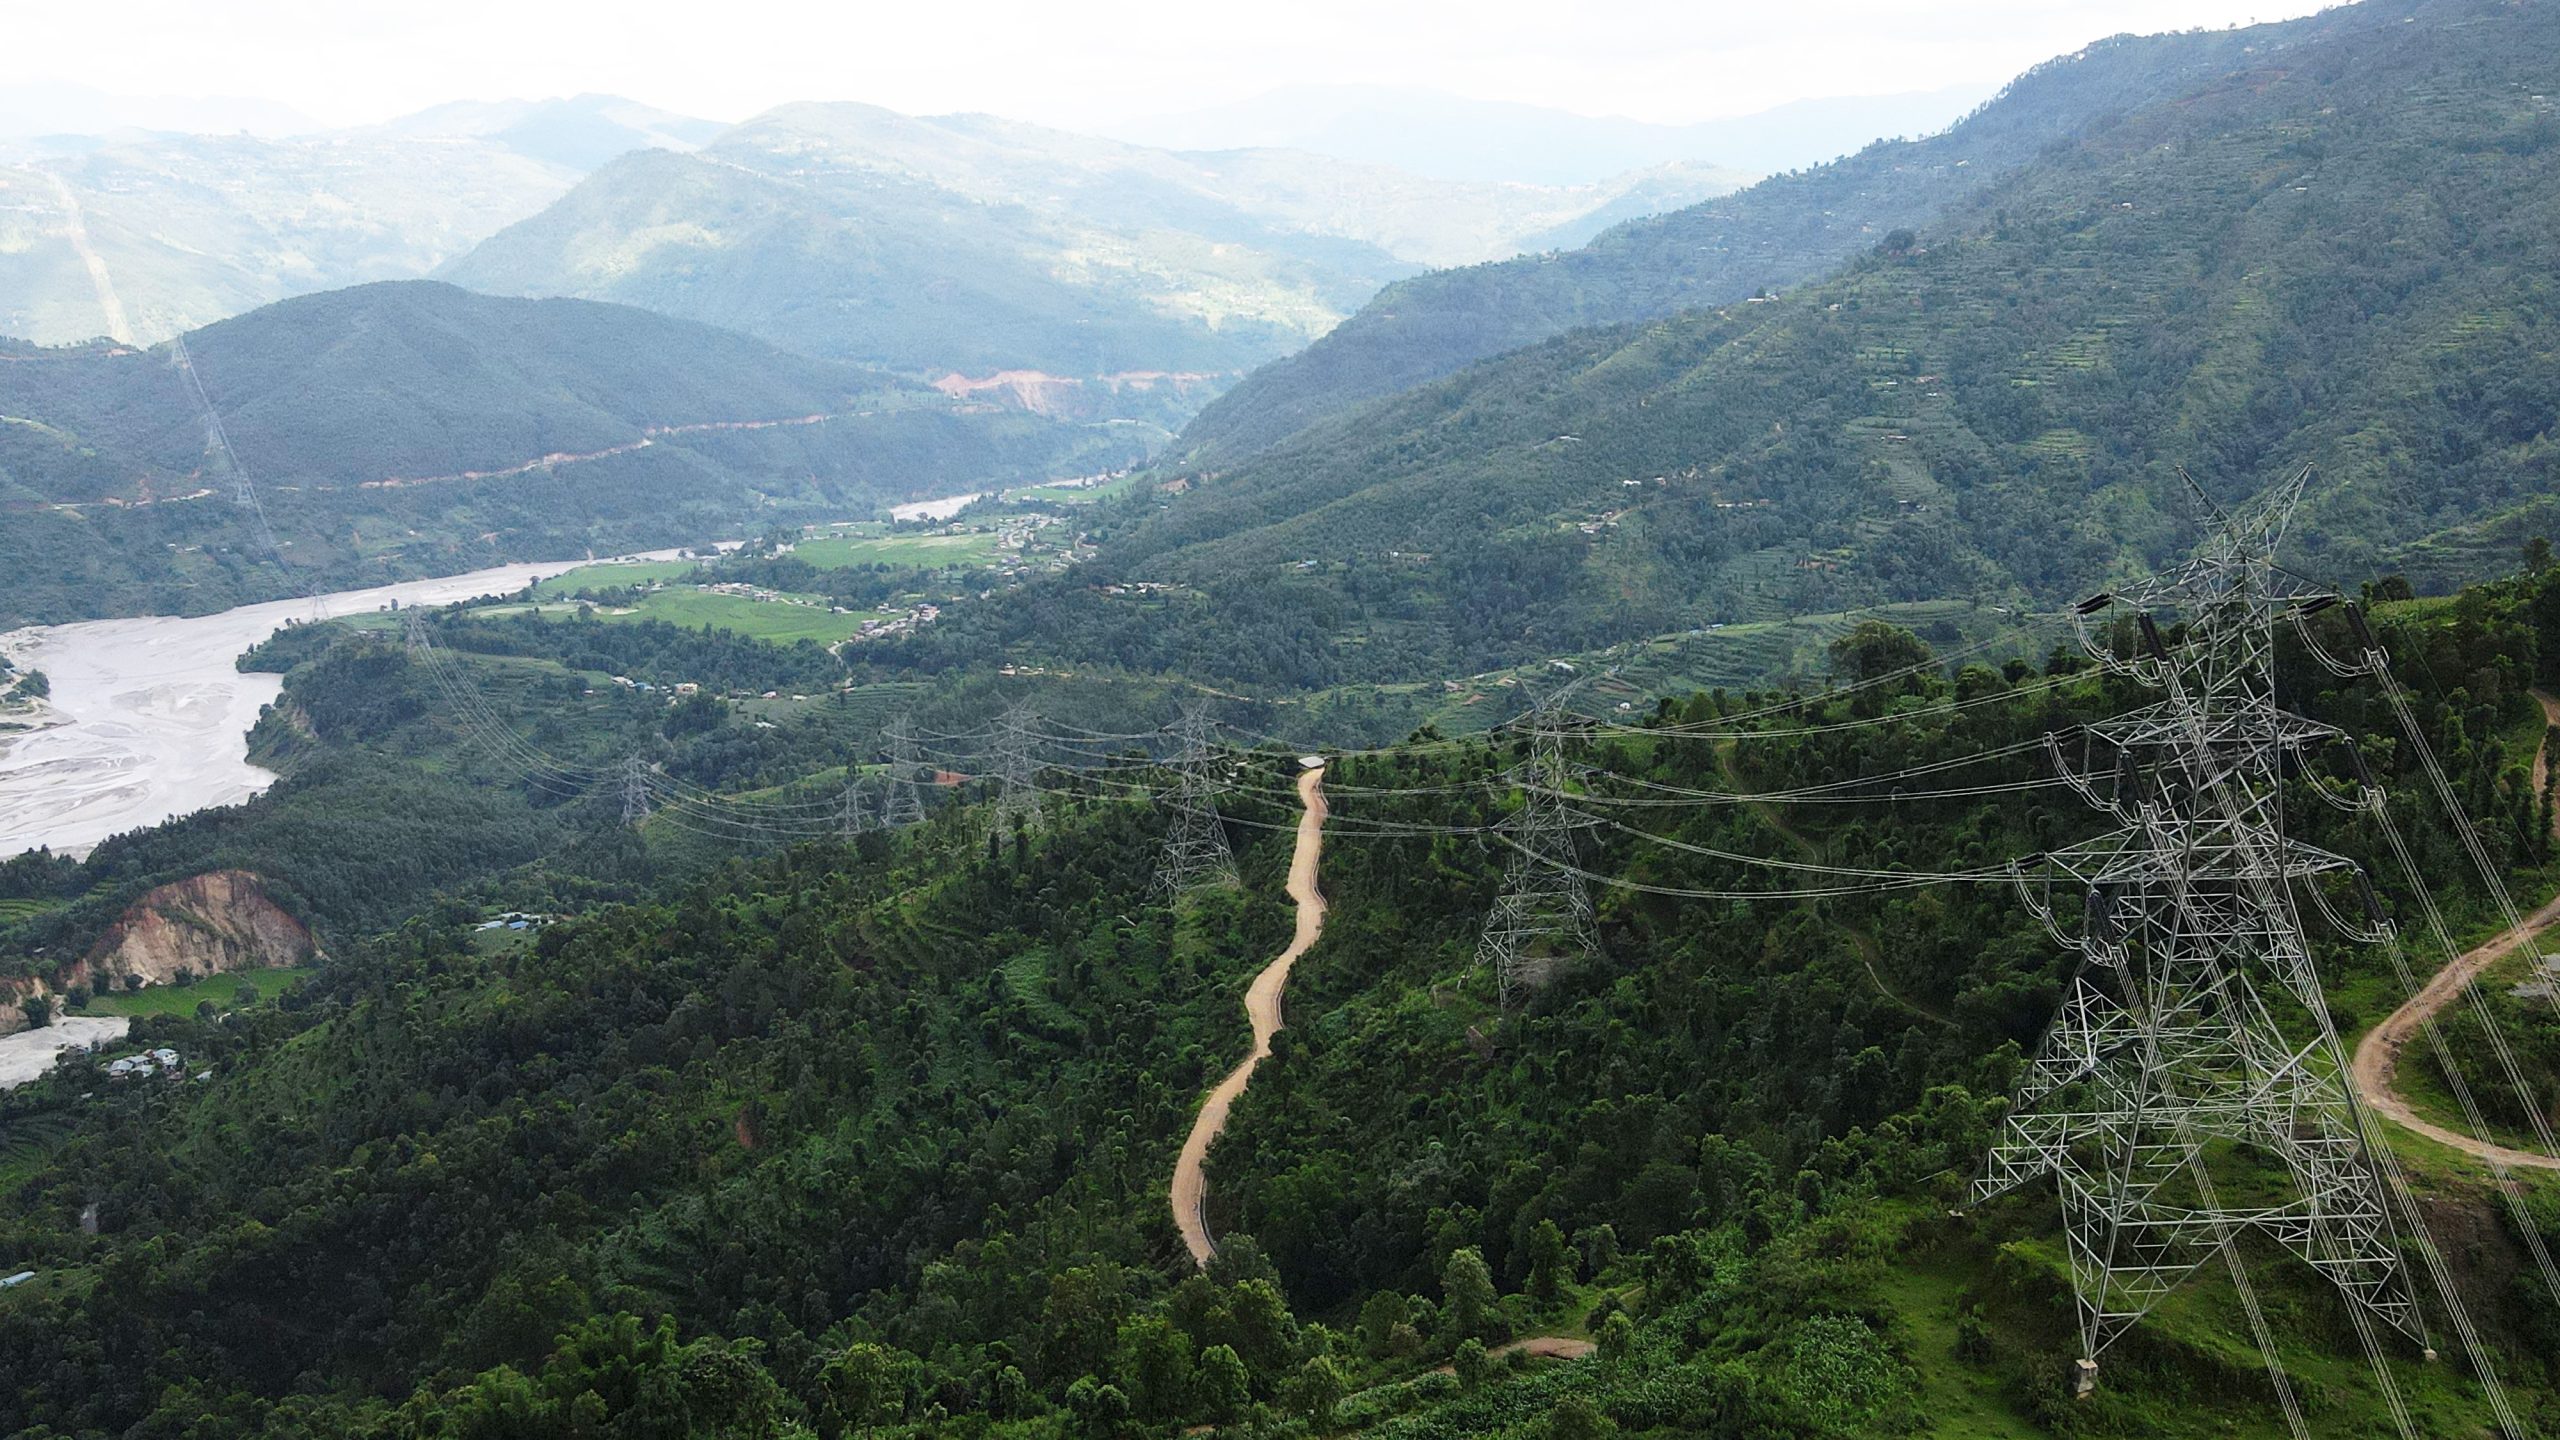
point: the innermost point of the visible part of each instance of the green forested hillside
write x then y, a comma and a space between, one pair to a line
1775, 234
2341, 257
403, 429
970, 243
870, 1138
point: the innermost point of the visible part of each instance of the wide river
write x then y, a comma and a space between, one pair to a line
151, 720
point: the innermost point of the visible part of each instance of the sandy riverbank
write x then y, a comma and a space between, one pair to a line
29, 1053
149, 720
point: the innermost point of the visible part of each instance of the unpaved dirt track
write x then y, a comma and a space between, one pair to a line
2377, 1057
1190, 1190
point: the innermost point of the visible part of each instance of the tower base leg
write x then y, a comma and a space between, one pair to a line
2084, 1378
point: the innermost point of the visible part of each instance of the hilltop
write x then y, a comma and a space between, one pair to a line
975, 244
1783, 231
2338, 255
415, 428
139, 235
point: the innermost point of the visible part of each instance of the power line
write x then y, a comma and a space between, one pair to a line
2164, 1043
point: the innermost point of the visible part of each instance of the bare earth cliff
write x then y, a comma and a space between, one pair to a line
212, 923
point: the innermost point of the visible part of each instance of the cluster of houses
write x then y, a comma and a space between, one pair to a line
163, 1061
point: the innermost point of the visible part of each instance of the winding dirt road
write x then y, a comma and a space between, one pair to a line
2377, 1057
1190, 1190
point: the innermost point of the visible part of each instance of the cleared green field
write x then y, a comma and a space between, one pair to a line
1075, 494
761, 619
222, 990
918, 552
614, 576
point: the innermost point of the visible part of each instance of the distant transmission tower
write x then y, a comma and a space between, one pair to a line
635, 790
413, 633
854, 815
2165, 1045
901, 806
1017, 773
1543, 919
1195, 839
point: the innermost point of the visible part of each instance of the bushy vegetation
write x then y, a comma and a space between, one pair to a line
874, 1136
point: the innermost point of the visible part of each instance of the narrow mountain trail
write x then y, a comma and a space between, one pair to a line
1869, 953
2377, 1057
1189, 1192
76, 228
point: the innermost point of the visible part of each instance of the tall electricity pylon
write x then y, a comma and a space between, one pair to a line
2166, 1047
902, 805
1543, 918
635, 790
1195, 839
854, 815
1017, 809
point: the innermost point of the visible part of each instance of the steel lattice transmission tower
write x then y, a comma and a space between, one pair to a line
1195, 839
901, 806
854, 814
1017, 809
635, 790
1543, 919
2166, 1046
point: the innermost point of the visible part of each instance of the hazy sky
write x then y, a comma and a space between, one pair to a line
1066, 62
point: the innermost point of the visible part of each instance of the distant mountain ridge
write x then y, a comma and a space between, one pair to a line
415, 428
2326, 243
975, 244
141, 235
1452, 137
1777, 233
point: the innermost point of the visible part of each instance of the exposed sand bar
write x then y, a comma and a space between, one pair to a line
149, 720
28, 1054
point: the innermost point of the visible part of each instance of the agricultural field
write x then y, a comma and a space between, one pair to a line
852, 546
614, 575
781, 621
222, 990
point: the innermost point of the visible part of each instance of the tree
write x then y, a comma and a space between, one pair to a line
864, 1385
2537, 554
1379, 1318
1599, 1247
1101, 1411
1617, 1337
1576, 1418
1224, 1387
1471, 1308
1470, 1363
1155, 1366
1316, 1391
1675, 1269
39, 1012
1875, 648
1081, 1319
1550, 1262
1256, 1324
